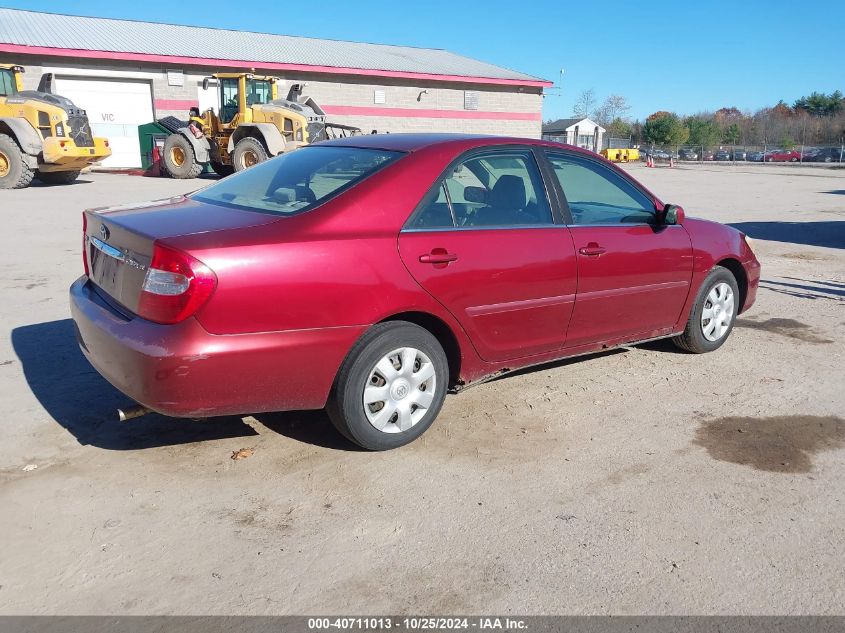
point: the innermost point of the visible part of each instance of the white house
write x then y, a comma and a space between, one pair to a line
584, 133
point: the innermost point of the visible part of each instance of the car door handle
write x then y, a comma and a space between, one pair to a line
592, 250
438, 256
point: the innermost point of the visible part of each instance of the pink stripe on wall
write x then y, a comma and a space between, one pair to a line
432, 114
233, 63
176, 104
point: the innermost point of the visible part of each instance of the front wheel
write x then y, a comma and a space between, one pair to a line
712, 317
248, 152
179, 159
391, 386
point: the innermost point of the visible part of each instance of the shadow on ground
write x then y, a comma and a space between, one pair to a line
308, 427
78, 181
828, 234
808, 289
79, 399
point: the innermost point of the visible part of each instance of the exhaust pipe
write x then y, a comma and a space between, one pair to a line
135, 411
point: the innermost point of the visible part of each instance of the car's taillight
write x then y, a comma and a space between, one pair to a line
175, 287
85, 243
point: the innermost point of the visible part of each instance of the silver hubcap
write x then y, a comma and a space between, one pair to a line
718, 312
399, 390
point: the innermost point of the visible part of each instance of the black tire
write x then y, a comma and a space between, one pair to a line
14, 172
222, 170
346, 406
179, 159
693, 339
248, 152
58, 177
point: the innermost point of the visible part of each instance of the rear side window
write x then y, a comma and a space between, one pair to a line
501, 188
597, 195
297, 181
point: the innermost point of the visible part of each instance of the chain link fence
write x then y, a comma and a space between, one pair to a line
833, 153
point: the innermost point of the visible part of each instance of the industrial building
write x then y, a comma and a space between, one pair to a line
126, 73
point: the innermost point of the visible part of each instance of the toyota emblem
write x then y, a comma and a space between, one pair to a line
104, 232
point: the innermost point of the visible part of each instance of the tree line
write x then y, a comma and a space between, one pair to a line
816, 119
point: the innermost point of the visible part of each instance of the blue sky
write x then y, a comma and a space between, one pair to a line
679, 56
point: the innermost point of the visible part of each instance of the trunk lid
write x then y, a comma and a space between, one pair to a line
119, 241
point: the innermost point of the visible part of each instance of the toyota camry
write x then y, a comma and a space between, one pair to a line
372, 275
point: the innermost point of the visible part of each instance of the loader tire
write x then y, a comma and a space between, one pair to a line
179, 159
58, 177
248, 152
14, 172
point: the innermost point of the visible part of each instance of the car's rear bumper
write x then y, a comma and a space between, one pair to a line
182, 370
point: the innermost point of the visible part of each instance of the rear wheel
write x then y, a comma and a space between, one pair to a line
391, 386
58, 177
248, 152
222, 170
14, 172
712, 317
179, 159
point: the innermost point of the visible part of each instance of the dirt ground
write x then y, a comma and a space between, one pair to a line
642, 481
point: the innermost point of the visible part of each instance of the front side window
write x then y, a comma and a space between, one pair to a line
228, 99
7, 83
597, 195
296, 181
501, 188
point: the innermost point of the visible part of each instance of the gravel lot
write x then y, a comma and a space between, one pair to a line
643, 481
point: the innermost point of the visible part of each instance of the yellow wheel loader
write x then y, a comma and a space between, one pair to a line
42, 135
250, 125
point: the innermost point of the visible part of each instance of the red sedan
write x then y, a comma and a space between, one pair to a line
783, 156
370, 275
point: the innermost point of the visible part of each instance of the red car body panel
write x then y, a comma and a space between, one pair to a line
294, 293
787, 156
640, 282
512, 291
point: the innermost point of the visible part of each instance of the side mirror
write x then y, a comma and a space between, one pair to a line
672, 215
205, 83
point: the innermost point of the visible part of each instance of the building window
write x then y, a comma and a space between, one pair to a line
470, 100
175, 78
378, 96
585, 140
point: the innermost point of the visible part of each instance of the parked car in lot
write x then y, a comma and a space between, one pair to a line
656, 154
738, 154
825, 155
430, 263
687, 154
707, 155
783, 156
722, 154
756, 156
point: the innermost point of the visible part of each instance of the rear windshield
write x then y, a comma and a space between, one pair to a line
296, 181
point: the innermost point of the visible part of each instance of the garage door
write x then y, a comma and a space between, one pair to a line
115, 109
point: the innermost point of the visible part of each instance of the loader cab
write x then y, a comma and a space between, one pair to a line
10, 80
239, 92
